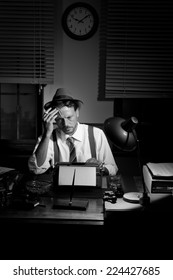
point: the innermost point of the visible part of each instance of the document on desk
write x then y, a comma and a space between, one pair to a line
163, 169
84, 176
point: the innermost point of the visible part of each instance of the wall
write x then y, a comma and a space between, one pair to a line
76, 68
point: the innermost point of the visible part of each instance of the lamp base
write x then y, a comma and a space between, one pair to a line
145, 199
132, 197
74, 205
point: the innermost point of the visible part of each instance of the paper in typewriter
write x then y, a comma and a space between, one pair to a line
85, 176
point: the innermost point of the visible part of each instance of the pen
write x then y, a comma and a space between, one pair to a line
36, 204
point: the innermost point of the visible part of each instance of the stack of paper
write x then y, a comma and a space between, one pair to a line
164, 169
158, 177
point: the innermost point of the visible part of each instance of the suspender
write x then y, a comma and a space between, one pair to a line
91, 140
56, 147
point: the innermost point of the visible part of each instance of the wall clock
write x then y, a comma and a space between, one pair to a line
80, 21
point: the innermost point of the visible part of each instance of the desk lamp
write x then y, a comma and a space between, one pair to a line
122, 134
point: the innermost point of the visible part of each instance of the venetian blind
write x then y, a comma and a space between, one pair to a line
136, 49
27, 32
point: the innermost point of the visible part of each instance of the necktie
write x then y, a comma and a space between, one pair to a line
70, 143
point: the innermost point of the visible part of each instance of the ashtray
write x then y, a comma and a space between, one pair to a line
38, 187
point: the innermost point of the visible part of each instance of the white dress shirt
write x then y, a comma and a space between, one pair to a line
83, 151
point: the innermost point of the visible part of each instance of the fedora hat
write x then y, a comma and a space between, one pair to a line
62, 94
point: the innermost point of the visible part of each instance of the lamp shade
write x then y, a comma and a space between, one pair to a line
121, 132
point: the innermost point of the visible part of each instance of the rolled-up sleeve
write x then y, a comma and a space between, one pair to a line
104, 152
32, 161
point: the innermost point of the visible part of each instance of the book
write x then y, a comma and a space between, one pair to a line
161, 170
158, 179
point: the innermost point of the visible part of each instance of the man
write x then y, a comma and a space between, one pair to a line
60, 121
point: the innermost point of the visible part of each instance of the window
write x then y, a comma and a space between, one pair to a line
27, 45
136, 49
27, 32
18, 112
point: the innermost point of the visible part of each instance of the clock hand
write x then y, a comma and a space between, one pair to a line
75, 19
81, 20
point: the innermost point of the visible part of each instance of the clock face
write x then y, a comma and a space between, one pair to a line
80, 21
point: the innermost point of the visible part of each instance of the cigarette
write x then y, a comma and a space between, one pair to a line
59, 111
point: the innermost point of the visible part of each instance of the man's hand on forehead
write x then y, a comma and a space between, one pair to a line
54, 111
59, 112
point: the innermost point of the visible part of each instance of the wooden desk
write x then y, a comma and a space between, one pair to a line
46, 233
96, 211
44, 213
